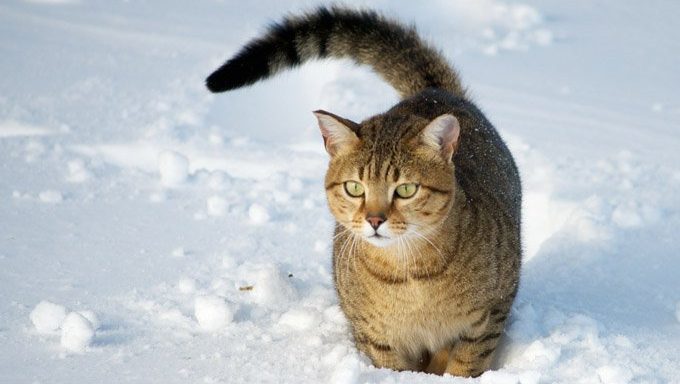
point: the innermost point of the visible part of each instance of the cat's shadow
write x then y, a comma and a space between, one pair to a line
624, 282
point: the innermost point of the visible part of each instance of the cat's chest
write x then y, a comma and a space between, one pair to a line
421, 313
416, 299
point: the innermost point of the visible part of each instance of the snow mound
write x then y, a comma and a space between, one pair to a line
77, 333
92, 317
51, 196
186, 285
300, 319
611, 374
258, 214
489, 26
77, 171
173, 168
271, 287
496, 377
346, 371
47, 316
216, 205
11, 128
213, 312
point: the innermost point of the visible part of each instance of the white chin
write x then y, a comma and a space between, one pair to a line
380, 242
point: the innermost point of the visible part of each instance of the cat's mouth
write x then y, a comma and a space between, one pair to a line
379, 240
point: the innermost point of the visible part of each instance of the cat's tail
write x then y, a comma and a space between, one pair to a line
394, 51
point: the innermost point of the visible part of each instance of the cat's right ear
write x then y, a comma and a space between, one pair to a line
338, 133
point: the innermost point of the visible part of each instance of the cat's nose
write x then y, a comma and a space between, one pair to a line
375, 219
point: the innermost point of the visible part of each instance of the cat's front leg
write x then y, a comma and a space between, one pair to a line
438, 362
472, 354
383, 355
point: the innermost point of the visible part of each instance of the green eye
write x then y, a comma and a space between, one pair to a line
354, 189
406, 190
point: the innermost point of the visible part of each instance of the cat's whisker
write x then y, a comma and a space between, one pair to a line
410, 242
439, 252
342, 251
402, 256
408, 258
355, 243
342, 232
420, 255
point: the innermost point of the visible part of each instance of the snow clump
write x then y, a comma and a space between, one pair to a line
300, 319
92, 317
216, 205
51, 197
186, 285
47, 316
77, 333
258, 214
179, 252
271, 287
212, 312
346, 371
173, 167
77, 172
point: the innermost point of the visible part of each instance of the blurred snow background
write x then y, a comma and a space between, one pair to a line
151, 232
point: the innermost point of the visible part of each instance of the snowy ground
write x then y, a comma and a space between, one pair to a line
183, 237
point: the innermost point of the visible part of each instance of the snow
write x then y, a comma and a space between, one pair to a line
258, 214
496, 377
151, 232
10, 128
271, 287
173, 167
47, 317
300, 319
179, 252
186, 285
346, 371
50, 196
77, 333
212, 312
92, 317
216, 205
614, 374
77, 171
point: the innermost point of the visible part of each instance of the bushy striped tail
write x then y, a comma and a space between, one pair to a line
394, 51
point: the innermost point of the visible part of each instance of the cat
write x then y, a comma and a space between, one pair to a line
426, 196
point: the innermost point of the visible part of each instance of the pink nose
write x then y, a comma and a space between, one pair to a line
375, 220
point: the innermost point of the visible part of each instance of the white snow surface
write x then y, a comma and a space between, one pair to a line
194, 228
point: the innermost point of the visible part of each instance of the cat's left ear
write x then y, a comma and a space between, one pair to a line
442, 134
338, 133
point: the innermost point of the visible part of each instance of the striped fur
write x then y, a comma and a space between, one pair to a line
435, 296
392, 50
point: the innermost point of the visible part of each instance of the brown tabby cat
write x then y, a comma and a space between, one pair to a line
426, 196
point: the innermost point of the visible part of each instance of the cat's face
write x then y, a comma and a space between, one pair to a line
389, 181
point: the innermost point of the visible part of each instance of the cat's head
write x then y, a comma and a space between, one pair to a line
390, 179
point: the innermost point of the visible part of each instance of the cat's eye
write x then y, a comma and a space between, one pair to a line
354, 189
406, 190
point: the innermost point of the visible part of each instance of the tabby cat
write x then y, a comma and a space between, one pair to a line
426, 196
